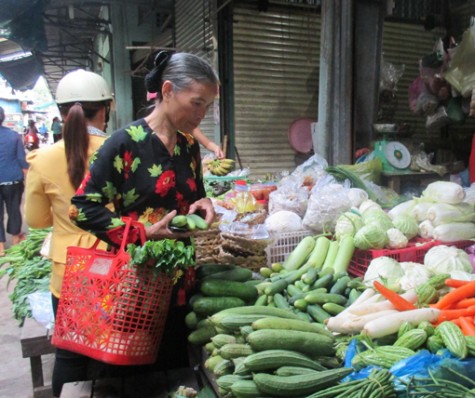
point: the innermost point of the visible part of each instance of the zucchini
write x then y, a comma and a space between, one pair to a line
331, 255
223, 367
245, 389
280, 301
293, 371
261, 300
309, 343
238, 274
226, 381
310, 276
211, 362
221, 339
235, 350
298, 385
273, 359
299, 255
290, 324
323, 281
191, 320
318, 313
322, 298
319, 253
301, 304
206, 306
208, 269
220, 288
251, 310
332, 308
202, 335
340, 285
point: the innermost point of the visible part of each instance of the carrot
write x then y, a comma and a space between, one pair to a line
467, 326
455, 282
399, 302
464, 303
448, 315
454, 296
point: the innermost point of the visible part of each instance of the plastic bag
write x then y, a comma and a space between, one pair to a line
461, 72
289, 196
328, 200
438, 120
390, 75
42, 308
421, 100
418, 369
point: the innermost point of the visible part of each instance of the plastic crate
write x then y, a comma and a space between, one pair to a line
415, 252
282, 245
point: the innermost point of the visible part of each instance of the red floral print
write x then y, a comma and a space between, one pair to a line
165, 182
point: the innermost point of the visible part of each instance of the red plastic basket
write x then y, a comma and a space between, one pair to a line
110, 310
415, 252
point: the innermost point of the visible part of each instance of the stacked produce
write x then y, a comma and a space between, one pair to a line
28, 270
221, 286
441, 212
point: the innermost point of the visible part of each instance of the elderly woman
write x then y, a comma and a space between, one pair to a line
151, 171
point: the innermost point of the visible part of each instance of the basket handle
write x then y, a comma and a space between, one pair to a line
137, 225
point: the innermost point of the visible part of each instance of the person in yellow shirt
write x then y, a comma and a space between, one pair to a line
55, 172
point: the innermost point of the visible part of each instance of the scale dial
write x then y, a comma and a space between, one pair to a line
397, 155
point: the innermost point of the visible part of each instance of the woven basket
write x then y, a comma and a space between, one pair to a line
246, 252
207, 244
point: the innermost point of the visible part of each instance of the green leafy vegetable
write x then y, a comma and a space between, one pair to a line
164, 255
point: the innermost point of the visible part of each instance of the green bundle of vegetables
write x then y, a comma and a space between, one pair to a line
28, 269
164, 255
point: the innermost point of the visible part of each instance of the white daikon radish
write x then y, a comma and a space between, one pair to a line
368, 308
355, 324
390, 323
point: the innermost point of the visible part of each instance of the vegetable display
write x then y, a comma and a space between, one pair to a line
31, 272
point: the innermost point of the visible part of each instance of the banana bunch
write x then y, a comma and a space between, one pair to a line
220, 167
189, 222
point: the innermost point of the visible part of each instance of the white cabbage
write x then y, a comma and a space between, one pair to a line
385, 270
444, 259
371, 236
415, 274
402, 208
444, 192
347, 224
426, 229
283, 221
407, 225
396, 239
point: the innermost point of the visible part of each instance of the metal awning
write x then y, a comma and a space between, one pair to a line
69, 29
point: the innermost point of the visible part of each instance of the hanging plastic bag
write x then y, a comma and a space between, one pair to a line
461, 72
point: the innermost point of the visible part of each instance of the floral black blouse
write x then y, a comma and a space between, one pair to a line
134, 171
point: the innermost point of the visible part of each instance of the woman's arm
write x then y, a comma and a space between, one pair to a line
207, 143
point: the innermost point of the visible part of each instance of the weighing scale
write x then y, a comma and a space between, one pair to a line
394, 155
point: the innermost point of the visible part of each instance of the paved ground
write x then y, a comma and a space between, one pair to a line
15, 377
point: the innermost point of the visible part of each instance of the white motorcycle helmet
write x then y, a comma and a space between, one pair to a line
82, 86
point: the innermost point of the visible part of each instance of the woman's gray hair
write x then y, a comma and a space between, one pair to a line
182, 69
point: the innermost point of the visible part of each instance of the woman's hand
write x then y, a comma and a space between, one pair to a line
204, 207
160, 229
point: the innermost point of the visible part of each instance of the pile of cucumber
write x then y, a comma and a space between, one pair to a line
221, 286
313, 281
269, 352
